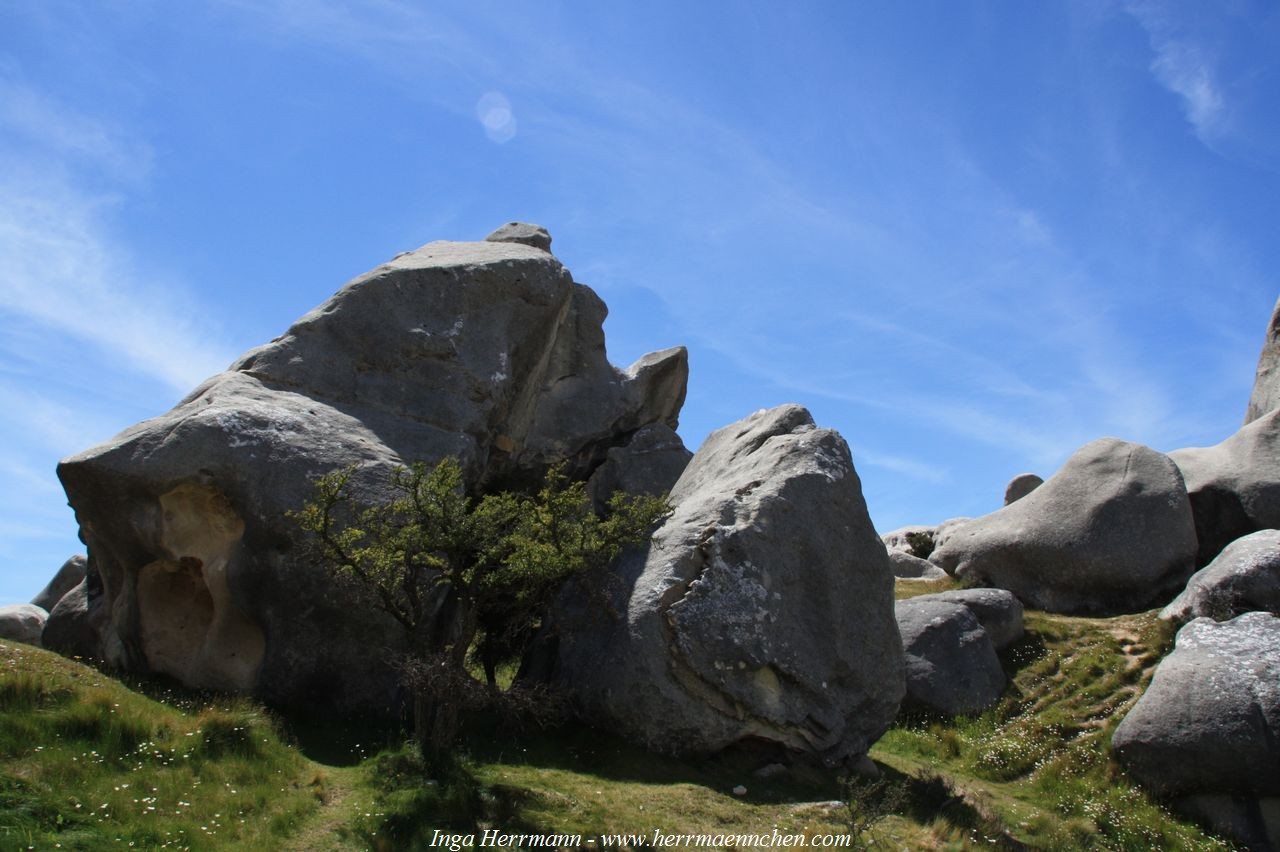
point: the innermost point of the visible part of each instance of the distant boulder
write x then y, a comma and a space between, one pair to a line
78, 625
952, 667
1020, 486
1245, 577
522, 232
1210, 720
67, 578
916, 540
1266, 383
1234, 486
762, 609
485, 351
908, 567
22, 623
1112, 531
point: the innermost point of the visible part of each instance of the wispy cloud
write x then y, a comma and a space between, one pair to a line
1185, 67
59, 264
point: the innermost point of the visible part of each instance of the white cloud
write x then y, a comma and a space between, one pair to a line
1185, 67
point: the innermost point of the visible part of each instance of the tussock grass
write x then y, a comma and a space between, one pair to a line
87, 763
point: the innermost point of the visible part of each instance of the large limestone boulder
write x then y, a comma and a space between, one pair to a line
486, 351
1234, 486
1210, 720
1266, 383
952, 667
1245, 577
762, 609
1112, 531
22, 623
68, 577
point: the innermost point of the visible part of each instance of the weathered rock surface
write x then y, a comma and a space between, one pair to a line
68, 577
1266, 383
650, 463
1210, 720
77, 626
486, 351
1245, 577
1234, 486
997, 610
1020, 486
952, 667
943, 533
908, 567
916, 540
762, 609
1112, 531
22, 623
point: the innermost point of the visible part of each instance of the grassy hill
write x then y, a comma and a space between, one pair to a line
89, 762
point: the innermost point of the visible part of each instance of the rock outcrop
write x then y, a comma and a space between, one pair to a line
1112, 531
1245, 577
650, 463
78, 625
952, 667
68, 577
1209, 723
1020, 486
762, 609
916, 540
1266, 383
1234, 486
485, 351
22, 623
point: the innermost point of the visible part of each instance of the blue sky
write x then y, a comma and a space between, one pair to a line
970, 236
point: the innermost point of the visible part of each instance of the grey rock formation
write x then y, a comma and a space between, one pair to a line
908, 567
1234, 486
762, 609
522, 232
1112, 531
997, 610
77, 626
68, 577
1245, 577
1020, 486
22, 623
916, 540
952, 667
1210, 720
486, 351
1266, 383
650, 463
944, 532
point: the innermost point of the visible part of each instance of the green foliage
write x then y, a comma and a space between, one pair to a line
869, 802
464, 576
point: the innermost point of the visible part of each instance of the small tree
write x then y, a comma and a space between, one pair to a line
465, 577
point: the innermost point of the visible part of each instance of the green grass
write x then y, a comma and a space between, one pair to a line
88, 762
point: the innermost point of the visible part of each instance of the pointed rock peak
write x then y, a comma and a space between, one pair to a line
522, 232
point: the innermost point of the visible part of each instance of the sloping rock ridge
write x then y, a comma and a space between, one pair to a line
1266, 383
486, 351
762, 609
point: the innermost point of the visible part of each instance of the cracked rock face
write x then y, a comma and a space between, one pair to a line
486, 351
1112, 531
762, 608
1210, 720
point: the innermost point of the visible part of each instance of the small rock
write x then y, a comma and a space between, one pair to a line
522, 232
1020, 486
739, 790
22, 623
773, 770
